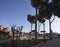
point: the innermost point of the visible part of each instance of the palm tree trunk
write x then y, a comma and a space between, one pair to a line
36, 28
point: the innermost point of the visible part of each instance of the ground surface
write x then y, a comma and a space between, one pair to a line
52, 43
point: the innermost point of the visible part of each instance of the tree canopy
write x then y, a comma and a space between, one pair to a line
46, 9
31, 18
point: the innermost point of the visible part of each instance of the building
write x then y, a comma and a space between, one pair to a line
4, 31
1, 27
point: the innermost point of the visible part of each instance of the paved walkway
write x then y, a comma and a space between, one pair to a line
52, 43
49, 43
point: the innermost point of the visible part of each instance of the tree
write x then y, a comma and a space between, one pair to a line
42, 20
31, 19
55, 10
56, 7
20, 31
35, 4
46, 11
17, 32
38, 3
39, 25
13, 31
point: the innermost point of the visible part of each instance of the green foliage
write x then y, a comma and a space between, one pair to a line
40, 19
56, 7
31, 19
35, 3
46, 9
1, 36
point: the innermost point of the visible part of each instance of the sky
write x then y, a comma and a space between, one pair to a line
16, 11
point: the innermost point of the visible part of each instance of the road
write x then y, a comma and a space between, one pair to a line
52, 43
5, 40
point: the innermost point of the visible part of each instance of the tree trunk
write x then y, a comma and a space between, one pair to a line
13, 33
31, 26
50, 22
16, 38
44, 32
13, 45
19, 34
39, 27
44, 29
31, 29
36, 28
50, 29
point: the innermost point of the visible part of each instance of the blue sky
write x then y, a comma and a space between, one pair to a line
16, 11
